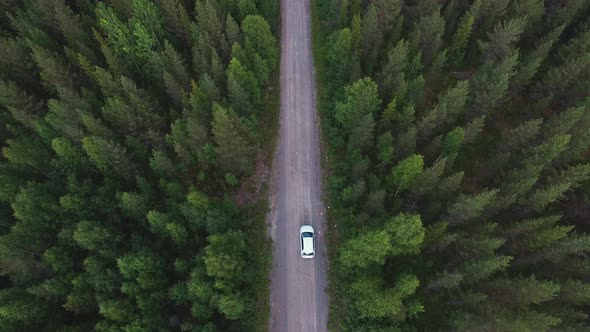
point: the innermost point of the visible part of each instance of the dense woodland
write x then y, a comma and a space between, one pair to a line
126, 128
458, 134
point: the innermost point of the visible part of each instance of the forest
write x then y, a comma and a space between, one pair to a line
458, 138
127, 127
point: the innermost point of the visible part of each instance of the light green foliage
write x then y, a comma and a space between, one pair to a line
223, 255
341, 57
369, 248
361, 99
95, 237
402, 235
259, 39
144, 267
108, 156
242, 86
245, 8
461, 36
407, 234
372, 301
120, 35
452, 141
116, 310
16, 305
406, 171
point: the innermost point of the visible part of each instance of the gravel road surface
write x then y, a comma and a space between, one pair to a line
298, 293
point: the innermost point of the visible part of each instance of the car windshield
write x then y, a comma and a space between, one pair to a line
307, 234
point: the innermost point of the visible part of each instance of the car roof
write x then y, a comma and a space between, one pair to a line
308, 245
306, 228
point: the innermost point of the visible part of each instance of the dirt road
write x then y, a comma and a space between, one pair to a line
298, 298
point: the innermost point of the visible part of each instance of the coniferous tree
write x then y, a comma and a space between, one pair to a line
108, 128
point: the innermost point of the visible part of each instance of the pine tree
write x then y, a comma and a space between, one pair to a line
372, 38
245, 8
427, 36
532, 10
232, 31
19, 307
389, 11
521, 136
373, 300
259, 39
407, 234
532, 61
374, 246
461, 36
557, 80
108, 156
361, 99
469, 207
448, 109
235, 145
362, 134
177, 19
95, 237
391, 76
242, 87
342, 58
501, 40
55, 74
143, 267
427, 181
405, 173
562, 123
490, 86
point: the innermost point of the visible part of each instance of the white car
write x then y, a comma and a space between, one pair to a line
307, 241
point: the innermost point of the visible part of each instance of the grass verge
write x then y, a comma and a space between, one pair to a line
269, 129
323, 105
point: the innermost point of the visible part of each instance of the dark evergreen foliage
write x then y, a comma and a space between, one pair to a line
124, 127
458, 142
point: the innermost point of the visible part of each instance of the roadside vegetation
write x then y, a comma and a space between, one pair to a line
128, 130
458, 136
